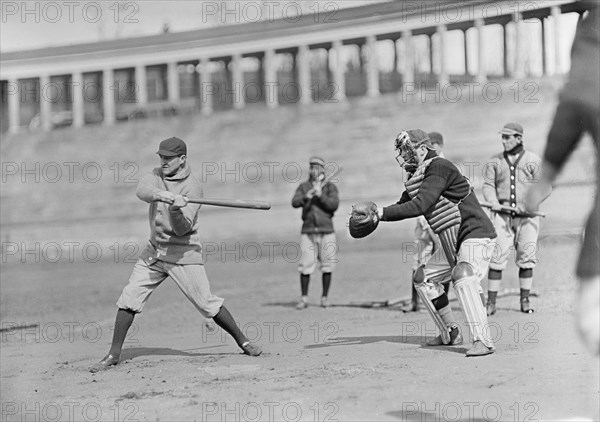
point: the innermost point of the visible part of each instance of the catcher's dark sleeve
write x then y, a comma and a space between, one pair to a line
329, 198
434, 183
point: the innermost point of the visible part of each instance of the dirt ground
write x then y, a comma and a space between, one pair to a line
342, 363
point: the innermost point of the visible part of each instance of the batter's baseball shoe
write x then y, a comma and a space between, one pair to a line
108, 361
455, 339
303, 304
480, 349
525, 306
490, 308
325, 302
251, 349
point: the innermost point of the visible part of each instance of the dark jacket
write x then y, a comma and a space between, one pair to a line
317, 212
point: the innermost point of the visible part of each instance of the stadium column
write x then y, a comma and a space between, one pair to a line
270, 83
206, 87
372, 67
481, 76
408, 69
45, 104
519, 56
555, 11
303, 63
14, 106
108, 96
173, 82
339, 76
141, 86
77, 97
237, 82
443, 75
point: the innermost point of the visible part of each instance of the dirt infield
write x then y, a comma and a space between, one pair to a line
342, 363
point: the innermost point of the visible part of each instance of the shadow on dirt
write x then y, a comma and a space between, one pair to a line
412, 414
353, 341
136, 352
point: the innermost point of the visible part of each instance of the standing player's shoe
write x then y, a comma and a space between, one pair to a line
480, 349
325, 302
108, 361
490, 308
251, 349
525, 308
303, 304
413, 306
455, 339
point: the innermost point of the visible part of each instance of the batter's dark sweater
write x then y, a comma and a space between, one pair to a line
442, 178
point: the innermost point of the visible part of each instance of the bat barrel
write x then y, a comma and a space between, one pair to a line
232, 203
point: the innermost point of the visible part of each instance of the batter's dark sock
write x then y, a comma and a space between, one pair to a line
326, 283
494, 274
524, 294
225, 320
304, 280
492, 296
122, 323
446, 287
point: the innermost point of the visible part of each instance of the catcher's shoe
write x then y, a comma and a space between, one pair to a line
108, 361
325, 302
413, 306
490, 308
480, 349
455, 339
303, 304
251, 349
525, 308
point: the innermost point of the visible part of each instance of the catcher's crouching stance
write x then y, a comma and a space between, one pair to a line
437, 190
174, 250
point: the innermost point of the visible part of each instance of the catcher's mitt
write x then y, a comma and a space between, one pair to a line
364, 219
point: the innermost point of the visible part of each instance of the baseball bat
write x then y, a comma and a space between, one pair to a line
232, 203
505, 209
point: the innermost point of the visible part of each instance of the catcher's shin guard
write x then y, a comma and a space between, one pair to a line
465, 284
419, 282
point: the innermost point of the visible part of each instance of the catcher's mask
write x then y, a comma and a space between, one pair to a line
406, 147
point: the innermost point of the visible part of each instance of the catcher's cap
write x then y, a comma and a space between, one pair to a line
316, 160
172, 147
436, 138
512, 129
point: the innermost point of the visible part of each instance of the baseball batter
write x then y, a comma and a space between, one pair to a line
578, 112
437, 190
318, 244
508, 176
174, 250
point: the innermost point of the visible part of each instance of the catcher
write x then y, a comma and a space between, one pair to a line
437, 190
174, 250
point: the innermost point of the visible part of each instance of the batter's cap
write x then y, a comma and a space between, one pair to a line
512, 129
172, 147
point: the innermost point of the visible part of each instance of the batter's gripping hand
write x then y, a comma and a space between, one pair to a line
364, 219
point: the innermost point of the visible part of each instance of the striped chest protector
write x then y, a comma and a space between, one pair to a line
443, 218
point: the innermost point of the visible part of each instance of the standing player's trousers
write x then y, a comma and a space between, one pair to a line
191, 279
520, 233
317, 249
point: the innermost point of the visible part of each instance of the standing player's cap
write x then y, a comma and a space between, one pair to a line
436, 138
172, 147
419, 137
316, 160
512, 129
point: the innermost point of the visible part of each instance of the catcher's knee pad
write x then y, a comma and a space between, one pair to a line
462, 270
468, 296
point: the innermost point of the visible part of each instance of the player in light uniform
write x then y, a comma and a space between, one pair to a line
427, 242
577, 113
508, 176
437, 190
174, 250
318, 242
